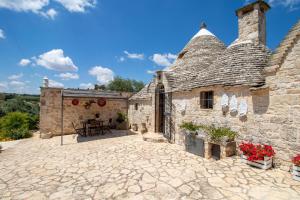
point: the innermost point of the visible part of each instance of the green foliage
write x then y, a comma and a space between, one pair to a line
125, 85
19, 104
122, 117
189, 126
218, 133
15, 125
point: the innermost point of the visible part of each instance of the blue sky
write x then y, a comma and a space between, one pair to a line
77, 43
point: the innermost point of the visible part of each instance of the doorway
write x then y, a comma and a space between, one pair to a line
160, 109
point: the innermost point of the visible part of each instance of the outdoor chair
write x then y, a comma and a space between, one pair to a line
79, 131
94, 127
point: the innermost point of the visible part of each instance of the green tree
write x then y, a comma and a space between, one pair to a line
18, 104
125, 85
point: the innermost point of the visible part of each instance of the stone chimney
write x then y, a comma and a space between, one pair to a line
45, 82
252, 22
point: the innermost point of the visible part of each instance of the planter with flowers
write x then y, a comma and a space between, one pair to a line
257, 155
296, 167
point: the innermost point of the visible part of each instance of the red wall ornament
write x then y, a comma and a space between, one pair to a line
101, 102
75, 102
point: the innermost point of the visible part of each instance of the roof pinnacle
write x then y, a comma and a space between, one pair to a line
203, 25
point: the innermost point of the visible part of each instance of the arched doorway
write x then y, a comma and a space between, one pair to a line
160, 109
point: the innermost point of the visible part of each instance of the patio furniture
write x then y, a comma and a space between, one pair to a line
93, 127
79, 131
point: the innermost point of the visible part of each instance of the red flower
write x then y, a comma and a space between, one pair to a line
296, 160
256, 152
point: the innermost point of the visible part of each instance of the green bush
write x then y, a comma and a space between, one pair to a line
15, 125
219, 133
189, 126
122, 117
33, 122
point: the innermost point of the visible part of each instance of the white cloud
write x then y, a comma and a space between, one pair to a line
77, 5
150, 71
134, 55
291, 4
2, 35
163, 60
55, 84
55, 60
24, 5
39, 6
24, 62
121, 59
86, 86
104, 75
17, 84
51, 13
15, 76
68, 76
3, 86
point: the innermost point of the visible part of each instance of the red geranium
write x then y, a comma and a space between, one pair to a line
256, 152
296, 160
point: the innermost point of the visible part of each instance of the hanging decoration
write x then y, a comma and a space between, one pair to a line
243, 108
75, 102
88, 104
224, 101
101, 102
233, 107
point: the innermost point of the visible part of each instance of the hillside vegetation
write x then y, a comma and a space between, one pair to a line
19, 114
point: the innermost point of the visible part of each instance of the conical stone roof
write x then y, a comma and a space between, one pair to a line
194, 59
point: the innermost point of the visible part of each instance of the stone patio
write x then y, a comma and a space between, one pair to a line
126, 167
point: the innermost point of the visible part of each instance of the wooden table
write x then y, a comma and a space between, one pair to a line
87, 126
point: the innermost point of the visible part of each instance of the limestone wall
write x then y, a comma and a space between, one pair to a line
50, 114
144, 114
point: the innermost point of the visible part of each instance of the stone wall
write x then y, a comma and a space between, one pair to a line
50, 114
143, 114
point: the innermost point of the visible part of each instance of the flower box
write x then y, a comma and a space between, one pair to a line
296, 173
262, 164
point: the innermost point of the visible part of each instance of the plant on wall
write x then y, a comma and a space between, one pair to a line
189, 126
88, 104
122, 117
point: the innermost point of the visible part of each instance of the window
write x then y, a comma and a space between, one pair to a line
207, 100
136, 106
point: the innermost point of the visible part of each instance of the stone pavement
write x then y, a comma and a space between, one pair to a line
126, 167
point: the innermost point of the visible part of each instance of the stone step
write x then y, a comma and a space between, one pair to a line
154, 137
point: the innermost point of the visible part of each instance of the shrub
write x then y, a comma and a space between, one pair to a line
15, 125
122, 117
296, 160
33, 122
217, 134
189, 126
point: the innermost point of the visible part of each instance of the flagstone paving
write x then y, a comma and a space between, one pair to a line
129, 168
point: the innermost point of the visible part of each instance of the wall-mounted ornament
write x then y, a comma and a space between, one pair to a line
101, 102
224, 103
88, 104
75, 102
243, 108
233, 105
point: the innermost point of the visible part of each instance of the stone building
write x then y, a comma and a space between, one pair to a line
77, 106
262, 87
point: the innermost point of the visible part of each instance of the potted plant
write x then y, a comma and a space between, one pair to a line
221, 141
193, 142
257, 155
296, 167
122, 121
